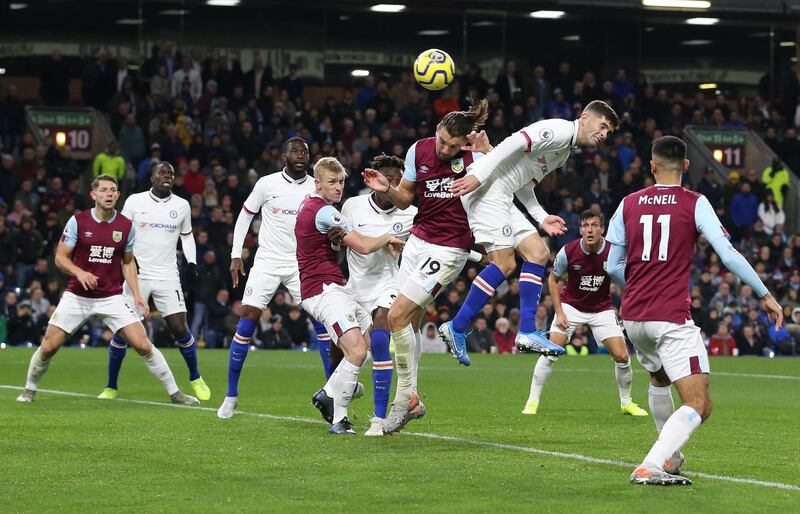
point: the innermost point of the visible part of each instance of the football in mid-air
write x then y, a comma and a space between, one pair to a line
434, 69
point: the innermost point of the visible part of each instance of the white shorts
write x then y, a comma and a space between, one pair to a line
167, 295
426, 269
495, 221
603, 324
335, 308
73, 311
262, 283
677, 347
384, 299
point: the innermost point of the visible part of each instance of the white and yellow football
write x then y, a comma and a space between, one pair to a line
434, 69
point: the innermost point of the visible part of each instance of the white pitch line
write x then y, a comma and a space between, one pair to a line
437, 437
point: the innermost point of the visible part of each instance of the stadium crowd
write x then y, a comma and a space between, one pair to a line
223, 128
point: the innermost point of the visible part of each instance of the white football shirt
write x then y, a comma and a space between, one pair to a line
159, 223
528, 155
371, 274
278, 197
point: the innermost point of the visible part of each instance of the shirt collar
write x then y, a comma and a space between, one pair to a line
378, 209
290, 180
599, 250
98, 220
157, 199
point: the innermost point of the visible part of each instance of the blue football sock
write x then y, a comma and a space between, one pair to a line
324, 346
530, 288
239, 348
116, 354
381, 370
188, 348
480, 292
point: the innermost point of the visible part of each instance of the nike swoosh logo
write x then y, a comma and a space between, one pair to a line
362, 224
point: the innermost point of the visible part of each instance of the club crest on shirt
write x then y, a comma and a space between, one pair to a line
116, 236
397, 227
173, 214
457, 165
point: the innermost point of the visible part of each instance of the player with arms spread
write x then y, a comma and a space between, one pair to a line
515, 167
440, 240
96, 250
278, 198
160, 219
585, 300
322, 287
653, 235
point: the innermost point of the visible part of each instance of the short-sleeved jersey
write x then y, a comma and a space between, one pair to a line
659, 226
278, 197
370, 274
316, 258
588, 287
441, 219
528, 155
159, 223
98, 247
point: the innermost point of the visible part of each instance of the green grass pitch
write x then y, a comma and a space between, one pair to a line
473, 452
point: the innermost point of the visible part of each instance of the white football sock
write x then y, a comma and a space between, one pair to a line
624, 374
343, 387
674, 434
36, 370
415, 362
404, 343
158, 367
661, 404
540, 375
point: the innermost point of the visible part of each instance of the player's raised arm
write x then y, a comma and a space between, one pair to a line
480, 170
553, 225
63, 258
709, 225
402, 195
329, 218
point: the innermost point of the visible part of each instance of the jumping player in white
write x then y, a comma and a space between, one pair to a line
160, 219
653, 236
515, 167
278, 198
585, 300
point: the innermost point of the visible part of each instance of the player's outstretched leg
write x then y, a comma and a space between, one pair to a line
530, 288
382, 371
481, 291
53, 339
324, 344
662, 406
544, 366
117, 349
187, 345
404, 347
155, 362
623, 372
240, 345
344, 380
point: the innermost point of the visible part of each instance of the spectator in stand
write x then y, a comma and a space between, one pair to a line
99, 82
744, 211
770, 213
710, 188
110, 163
131, 140
218, 310
22, 329
189, 74
559, 107
193, 179
503, 336
54, 80
776, 178
509, 84
276, 338
480, 340
722, 343
747, 343
430, 342
296, 324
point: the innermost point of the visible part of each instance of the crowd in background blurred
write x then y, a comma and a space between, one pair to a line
222, 128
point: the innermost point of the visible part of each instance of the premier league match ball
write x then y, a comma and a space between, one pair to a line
434, 69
